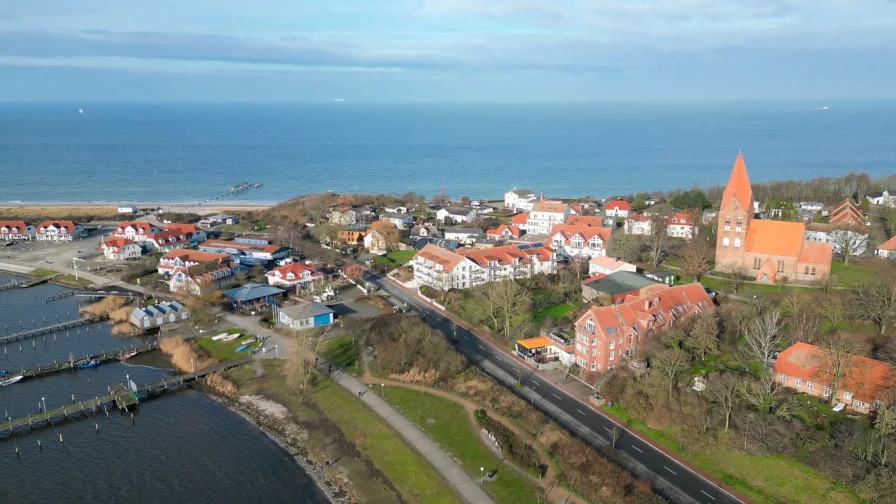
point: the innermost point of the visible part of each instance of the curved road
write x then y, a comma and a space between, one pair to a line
669, 477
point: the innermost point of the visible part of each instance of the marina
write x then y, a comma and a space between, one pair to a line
61, 326
73, 364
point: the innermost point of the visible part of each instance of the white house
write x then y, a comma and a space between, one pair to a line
887, 198
855, 241
399, 220
175, 235
887, 249
375, 243
457, 215
519, 200
606, 265
398, 210
342, 214
464, 235
127, 209
16, 230
166, 312
811, 206
580, 241
297, 275
136, 231
617, 208
59, 231
681, 225
182, 258
638, 224
204, 277
445, 269
425, 231
116, 248
545, 215
305, 316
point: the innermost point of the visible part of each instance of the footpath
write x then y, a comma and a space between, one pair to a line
468, 489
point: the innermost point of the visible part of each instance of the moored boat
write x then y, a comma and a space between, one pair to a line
129, 355
242, 348
10, 381
90, 364
230, 337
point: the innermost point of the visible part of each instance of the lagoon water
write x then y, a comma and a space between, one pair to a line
188, 153
183, 447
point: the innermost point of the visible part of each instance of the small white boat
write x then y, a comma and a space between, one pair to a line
231, 337
220, 337
10, 381
250, 341
839, 407
80, 110
127, 356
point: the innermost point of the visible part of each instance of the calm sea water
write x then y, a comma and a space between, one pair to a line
183, 447
120, 152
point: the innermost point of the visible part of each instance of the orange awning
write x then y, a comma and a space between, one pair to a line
536, 342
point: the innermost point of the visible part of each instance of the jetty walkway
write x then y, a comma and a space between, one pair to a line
30, 333
119, 396
73, 364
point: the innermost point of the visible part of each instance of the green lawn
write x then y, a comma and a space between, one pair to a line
555, 312
42, 272
343, 352
446, 423
70, 279
225, 351
396, 258
763, 479
850, 274
412, 475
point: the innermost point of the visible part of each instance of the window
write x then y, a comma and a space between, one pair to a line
725, 241
847, 396
798, 382
612, 344
876, 403
727, 227
813, 270
737, 229
806, 271
589, 326
780, 266
810, 385
612, 356
727, 220
783, 378
858, 404
593, 366
593, 351
737, 243
609, 330
828, 391
631, 339
756, 263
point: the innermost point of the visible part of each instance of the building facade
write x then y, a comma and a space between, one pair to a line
294, 275
519, 200
116, 248
16, 230
136, 231
545, 215
57, 231
444, 269
767, 249
580, 241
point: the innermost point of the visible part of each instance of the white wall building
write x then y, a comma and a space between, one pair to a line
59, 231
464, 268
16, 230
399, 220
580, 241
519, 200
116, 248
858, 242
457, 215
607, 265
464, 235
545, 215
136, 231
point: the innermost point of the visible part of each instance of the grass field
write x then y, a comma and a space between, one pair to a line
70, 279
415, 479
555, 312
42, 272
224, 351
342, 352
850, 274
396, 258
446, 423
763, 479
81, 214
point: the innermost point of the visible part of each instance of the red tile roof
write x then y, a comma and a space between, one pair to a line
10, 224
868, 379
169, 237
889, 245
194, 255
550, 206
618, 205
586, 232
186, 229
846, 213
506, 254
520, 219
65, 227
116, 242
816, 253
585, 220
295, 268
739, 186
779, 238
499, 231
138, 226
607, 262
228, 244
438, 255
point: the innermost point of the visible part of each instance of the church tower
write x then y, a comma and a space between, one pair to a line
735, 215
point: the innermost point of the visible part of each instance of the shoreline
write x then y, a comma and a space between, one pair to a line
268, 424
154, 204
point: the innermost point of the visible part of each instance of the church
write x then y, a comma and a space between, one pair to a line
768, 249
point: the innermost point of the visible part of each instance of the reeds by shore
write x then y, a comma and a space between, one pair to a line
104, 305
187, 357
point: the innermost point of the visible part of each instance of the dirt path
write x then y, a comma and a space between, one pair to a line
549, 481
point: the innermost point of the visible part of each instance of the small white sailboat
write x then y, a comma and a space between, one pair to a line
80, 110
10, 381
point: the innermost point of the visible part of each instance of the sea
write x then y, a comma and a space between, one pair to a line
116, 152
181, 447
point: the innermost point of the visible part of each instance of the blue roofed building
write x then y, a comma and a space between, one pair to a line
305, 316
253, 294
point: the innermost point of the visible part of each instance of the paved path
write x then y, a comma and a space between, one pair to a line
251, 326
468, 489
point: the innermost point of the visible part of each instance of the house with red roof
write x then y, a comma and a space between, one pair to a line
16, 230
585, 220
606, 265
183, 258
174, 235
580, 241
887, 249
768, 249
617, 208
504, 232
294, 275
519, 220
867, 384
135, 231
606, 336
445, 269
59, 231
846, 212
116, 248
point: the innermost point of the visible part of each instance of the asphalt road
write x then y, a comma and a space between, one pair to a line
667, 476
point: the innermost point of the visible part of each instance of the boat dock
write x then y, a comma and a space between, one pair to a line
11, 284
30, 333
119, 396
59, 296
37, 281
73, 363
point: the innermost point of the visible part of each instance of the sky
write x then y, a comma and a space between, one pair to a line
446, 50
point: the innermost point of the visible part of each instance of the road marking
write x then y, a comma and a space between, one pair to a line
558, 397
706, 494
671, 471
639, 450
480, 346
580, 411
606, 429
534, 384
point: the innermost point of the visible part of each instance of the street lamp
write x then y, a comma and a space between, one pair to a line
192, 366
44, 401
276, 352
383, 390
481, 475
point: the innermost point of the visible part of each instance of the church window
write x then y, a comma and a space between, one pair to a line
756, 263
780, 266
725, 241
727, 220
806, 271
737, 243
813, 270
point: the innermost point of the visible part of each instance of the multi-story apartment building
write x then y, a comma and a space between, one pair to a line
444, 269
520, 200
580, 240
606, 335
59, 231
136, 231
545, 215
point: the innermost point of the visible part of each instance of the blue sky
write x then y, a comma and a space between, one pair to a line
446, 50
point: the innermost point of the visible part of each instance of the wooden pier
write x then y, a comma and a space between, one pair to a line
11, 284
73, 364
37, 281
59, 296
30, 333
119, 396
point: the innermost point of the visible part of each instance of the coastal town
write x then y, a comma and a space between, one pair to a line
709, 326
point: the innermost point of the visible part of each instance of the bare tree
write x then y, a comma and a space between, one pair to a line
506, 303
735, 275
849, 241
669, 363
888, 216
388, 232
764, 336
703, 337
832, 310
795, 302
303, 350
838, 351
657, 241
725, 389
803, 326
825, 282
695, 258
326, 233
875, 300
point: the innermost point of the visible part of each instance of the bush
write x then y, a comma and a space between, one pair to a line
409, 350
511, 445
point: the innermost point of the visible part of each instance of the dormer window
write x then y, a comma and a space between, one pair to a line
589, 326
